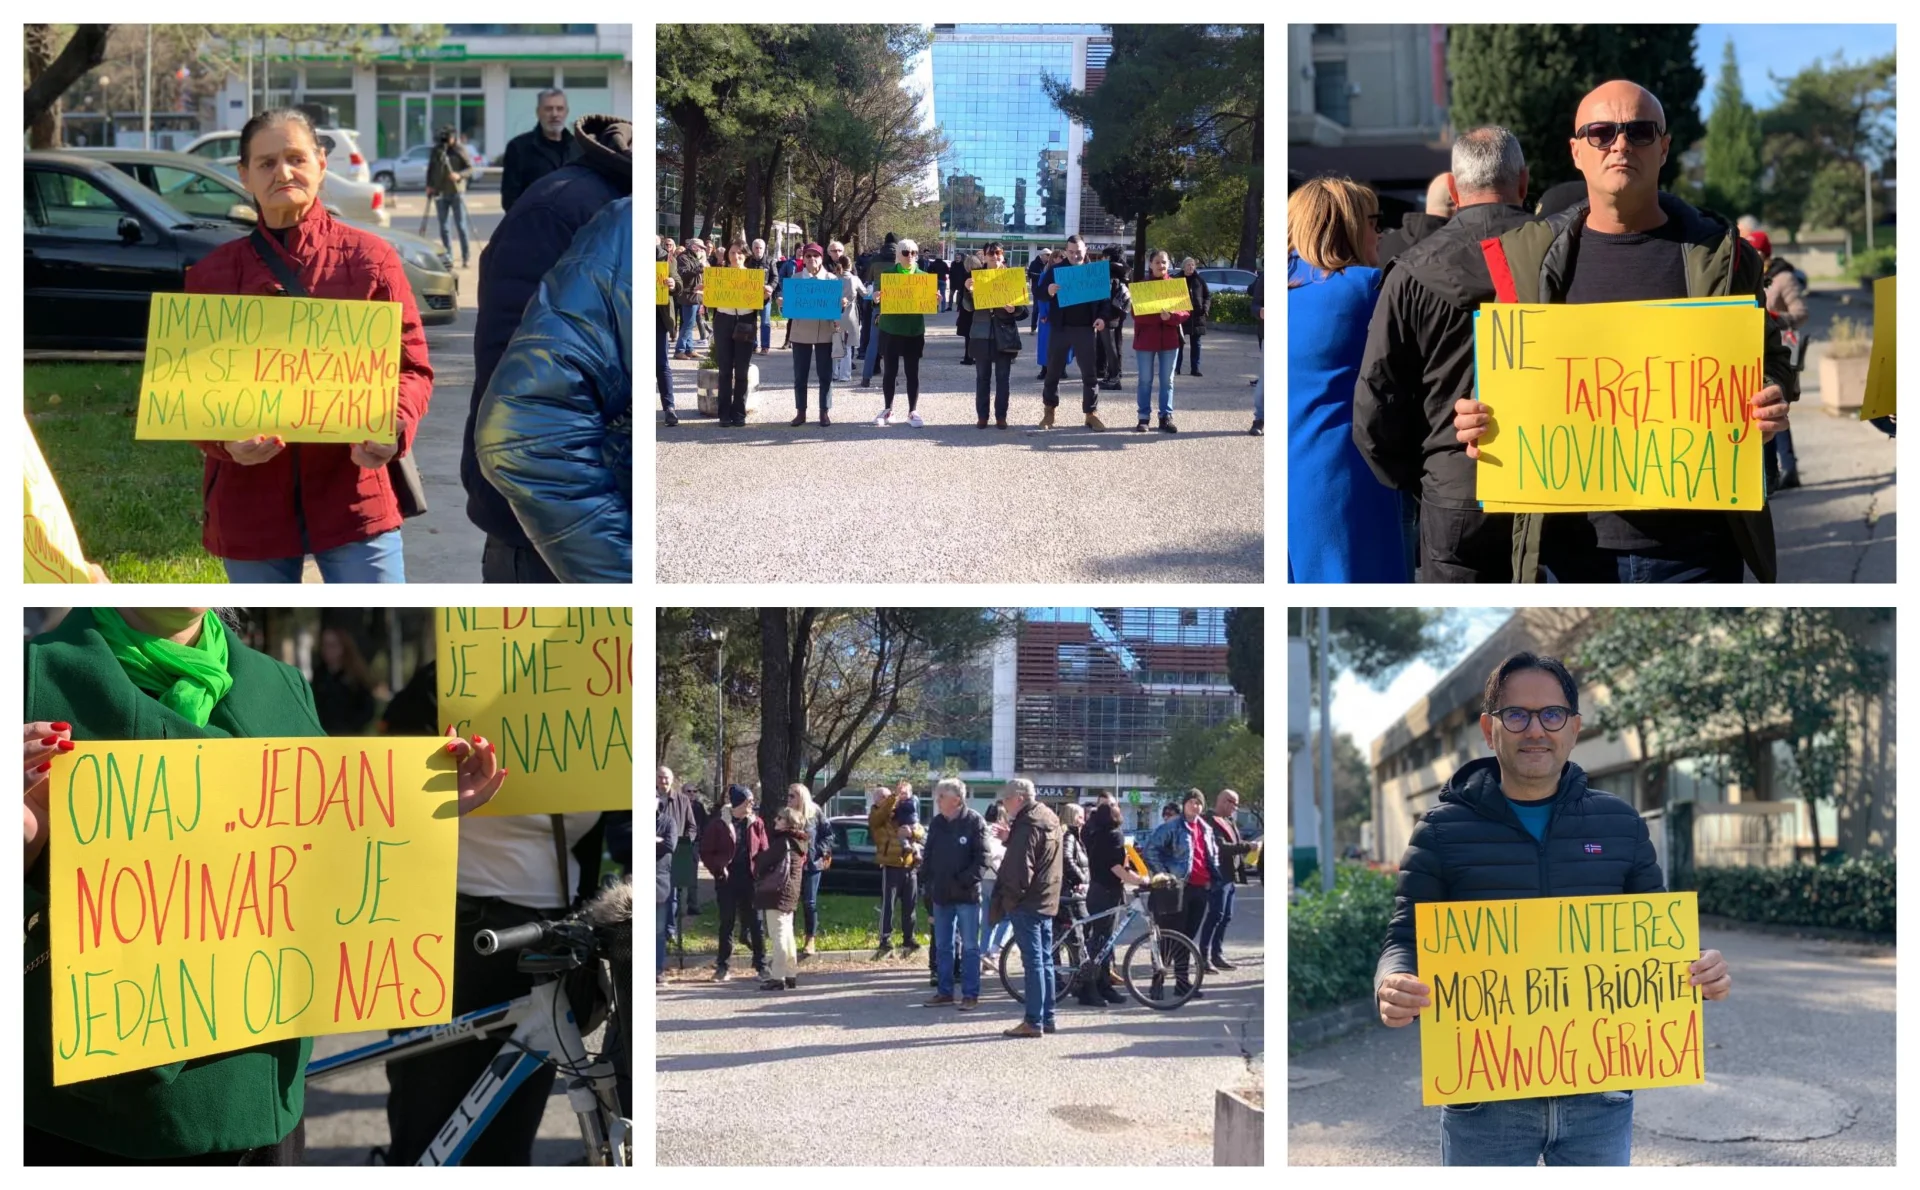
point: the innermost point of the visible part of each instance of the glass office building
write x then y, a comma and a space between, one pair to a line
1011, 171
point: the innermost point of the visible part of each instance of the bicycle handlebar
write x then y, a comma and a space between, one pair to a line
512, 938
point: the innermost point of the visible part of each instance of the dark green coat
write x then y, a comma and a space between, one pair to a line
240, 1100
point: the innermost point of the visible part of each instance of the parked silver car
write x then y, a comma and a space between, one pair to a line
206, 189
408, 171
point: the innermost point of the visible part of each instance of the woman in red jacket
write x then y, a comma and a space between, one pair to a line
268, 503
1156, 348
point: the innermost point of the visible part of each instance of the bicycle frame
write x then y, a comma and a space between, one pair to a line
1126, 912
536, 1026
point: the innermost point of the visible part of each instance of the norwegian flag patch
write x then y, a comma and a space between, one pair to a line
1593, 849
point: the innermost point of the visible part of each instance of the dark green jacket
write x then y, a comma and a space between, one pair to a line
240, 1100
904, 325
1718, 262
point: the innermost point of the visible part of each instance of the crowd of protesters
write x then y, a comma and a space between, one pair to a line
866, 340
1020, 870
1382, 409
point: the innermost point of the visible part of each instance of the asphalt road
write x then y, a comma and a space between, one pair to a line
1839, 526
953, 503
891, 1083
1800, 1071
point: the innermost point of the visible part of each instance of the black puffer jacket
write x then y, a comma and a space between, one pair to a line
1471, 847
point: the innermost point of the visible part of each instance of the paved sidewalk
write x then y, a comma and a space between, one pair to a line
1800, 1060
1115, 1086
954, 503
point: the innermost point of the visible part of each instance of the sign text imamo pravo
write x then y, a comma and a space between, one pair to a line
1558, 996
210, 895
223, 367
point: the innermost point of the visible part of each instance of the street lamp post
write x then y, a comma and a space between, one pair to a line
1116, 775
719, 638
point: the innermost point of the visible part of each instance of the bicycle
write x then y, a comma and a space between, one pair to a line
538, 1027
1165, 953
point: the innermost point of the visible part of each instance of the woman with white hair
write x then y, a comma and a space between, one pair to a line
906, 336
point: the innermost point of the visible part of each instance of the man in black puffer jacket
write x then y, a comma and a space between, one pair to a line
1522, 823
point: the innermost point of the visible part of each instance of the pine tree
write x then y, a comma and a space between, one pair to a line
1732, 146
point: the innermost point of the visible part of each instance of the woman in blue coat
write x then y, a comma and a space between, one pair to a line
554, 431
1343, 525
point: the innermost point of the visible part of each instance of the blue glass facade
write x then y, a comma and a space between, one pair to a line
1005, 173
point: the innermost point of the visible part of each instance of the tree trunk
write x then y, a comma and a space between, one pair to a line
776, 200
1813, 821
689, 185
775, 674
1249, 255
1140, 247
755, 195
49, 76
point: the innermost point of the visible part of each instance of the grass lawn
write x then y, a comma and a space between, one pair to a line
847, 922
136, 504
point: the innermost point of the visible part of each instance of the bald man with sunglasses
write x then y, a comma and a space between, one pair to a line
1629, 241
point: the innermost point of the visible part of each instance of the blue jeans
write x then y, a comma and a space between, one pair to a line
1189, 342
873, 354
821, 357
375, 560
766, 324
965, 915
1721, 564
1034, 934
1213, 931
689, 319
1149, 363
456, 204
810, 900
1592, 1129
1260, 398
662, 913
663, 375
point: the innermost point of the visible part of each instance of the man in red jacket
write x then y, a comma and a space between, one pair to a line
728, 847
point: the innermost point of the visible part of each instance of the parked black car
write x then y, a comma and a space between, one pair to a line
856, 868
98, 245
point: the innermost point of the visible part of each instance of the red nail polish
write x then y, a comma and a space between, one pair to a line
62, 726
52, 739
66, 745
453, 745
45, 767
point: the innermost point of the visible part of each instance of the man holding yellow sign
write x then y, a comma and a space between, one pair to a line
1510, 830
1631, 242
314, 340
192, 844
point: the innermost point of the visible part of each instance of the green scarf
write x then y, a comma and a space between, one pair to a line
187, 679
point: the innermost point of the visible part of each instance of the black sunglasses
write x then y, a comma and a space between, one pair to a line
1601, 133
905, 252
1516, 719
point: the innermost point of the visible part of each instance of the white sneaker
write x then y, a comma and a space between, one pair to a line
913, 419
885, 419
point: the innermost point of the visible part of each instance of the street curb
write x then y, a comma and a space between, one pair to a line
1322, 1027
1819, 933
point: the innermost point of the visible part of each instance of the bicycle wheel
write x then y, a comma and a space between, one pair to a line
1013, 971
1153, 974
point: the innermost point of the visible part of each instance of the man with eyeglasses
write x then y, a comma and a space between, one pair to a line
1523, 823
1629, 242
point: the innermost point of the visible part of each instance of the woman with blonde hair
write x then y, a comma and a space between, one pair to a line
777, 877
1343, 524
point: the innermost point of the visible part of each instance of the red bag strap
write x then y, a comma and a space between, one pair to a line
1499, 270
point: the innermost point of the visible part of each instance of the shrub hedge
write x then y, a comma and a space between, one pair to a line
1333, 939
1236, 308
1854, 894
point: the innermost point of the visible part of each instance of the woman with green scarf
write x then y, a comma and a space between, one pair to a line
154, 674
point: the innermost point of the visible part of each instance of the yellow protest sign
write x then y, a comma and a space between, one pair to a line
911, 293
994, 288
1160, 297
552, 688
1620, 405
52, 550
210, 895
1558, 996
220, 368
1879, 400
661, 295
733, 289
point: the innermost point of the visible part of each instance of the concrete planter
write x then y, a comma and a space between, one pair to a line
707, 382
1239, 1130
1843, 384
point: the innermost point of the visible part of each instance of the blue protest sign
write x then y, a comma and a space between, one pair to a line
1082, 283
808, 297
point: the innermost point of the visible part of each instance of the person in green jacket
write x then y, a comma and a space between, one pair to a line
906, 335
150, 674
